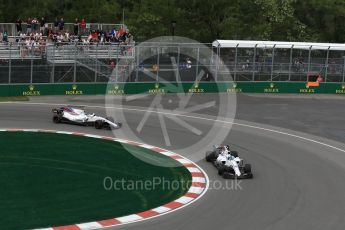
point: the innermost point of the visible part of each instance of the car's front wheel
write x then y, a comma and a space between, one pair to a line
247, 168
56, 119
98, 124
221, 170
227, 175
210, 156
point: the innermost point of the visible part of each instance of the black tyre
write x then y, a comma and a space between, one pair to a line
56, 119
221, 171
234, 153
98, 124
227, 175
247, 168
210, 156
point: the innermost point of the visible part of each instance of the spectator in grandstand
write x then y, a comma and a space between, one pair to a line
59, 39
28, 46
188, 63
42, 46
37, 36
113, 33
5, 37
121, 34
43, 26
56, 24
61, 24
35, 25
130, 39
22, 36
28, 26
66, 37
112, 64
301, 64
82, 26
76, 27
19, 25
207, 76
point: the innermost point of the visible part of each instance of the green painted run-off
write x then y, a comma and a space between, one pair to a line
56, 179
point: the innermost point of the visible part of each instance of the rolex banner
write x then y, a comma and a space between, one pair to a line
79, 89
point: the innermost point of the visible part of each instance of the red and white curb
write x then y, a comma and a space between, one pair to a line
198, 187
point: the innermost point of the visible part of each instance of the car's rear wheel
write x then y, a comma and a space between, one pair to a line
56, 119
98, 124
209, 156
234, 153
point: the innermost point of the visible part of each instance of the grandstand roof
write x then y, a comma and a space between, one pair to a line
276, 44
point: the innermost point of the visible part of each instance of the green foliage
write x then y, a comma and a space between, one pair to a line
203, 20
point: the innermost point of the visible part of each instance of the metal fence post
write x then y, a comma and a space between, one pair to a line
235, 70
138, 62
197, 63
326, 64
309, 55
53, 68
31, 69
117, 63
217, 64
75, 64
157, 76
178, 63
96, 63
272, 64
254, 66
290, 64
10, 65
344, 70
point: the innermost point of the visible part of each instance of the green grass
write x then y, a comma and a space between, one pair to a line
18, 98
55, 179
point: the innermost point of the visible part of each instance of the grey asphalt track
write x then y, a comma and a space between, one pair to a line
298, 184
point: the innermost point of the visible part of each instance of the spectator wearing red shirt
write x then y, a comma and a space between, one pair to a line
94, 36
319, 79
121, 32
82, 26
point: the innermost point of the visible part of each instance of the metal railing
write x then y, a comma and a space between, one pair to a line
159, 62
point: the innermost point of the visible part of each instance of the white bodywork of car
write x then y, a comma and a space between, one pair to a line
79, 116
230, 161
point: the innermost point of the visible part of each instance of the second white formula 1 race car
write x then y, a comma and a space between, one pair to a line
72, 115
228, 163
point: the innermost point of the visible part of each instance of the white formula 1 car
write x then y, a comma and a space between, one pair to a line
78, 116
228, 163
